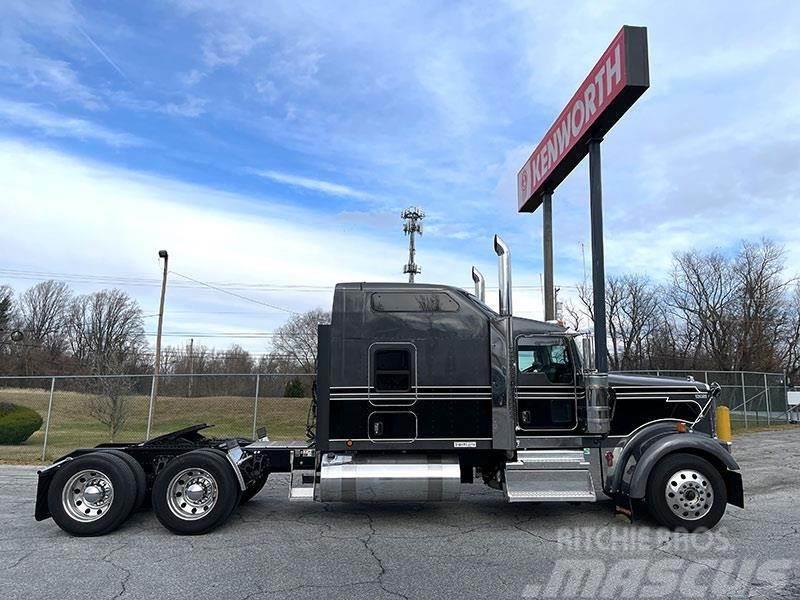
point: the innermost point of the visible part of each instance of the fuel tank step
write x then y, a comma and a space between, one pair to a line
550, 459
550, 476
302, 478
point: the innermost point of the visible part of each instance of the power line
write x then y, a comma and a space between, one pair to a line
145, 281
234, 294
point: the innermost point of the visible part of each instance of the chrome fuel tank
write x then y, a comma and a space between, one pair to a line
389, 478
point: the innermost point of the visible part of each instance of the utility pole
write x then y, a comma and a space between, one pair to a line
157, 364
412, 225
191, 365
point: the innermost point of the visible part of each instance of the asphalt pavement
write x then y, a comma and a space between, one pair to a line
481, 547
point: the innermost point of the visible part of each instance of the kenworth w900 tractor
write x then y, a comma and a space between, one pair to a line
421, 389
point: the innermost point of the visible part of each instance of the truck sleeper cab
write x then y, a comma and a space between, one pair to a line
420, 389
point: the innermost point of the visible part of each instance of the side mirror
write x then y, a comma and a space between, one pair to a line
16, 336
587, 347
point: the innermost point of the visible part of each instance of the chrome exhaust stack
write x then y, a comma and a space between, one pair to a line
480, 285
504, 275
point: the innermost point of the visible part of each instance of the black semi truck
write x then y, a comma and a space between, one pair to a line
421, 389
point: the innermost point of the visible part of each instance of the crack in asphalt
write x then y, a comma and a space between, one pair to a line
126, 572
378, 559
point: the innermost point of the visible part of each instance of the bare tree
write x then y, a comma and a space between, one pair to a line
111, 403
791, 341
703, 295
296, 341
43, 309
106, 330
6, 307
635, 317
762, 305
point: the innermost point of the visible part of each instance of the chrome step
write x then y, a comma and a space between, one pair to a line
549, 485
303, 475
301, 485
550, 459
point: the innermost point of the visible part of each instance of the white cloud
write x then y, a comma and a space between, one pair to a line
317, 185
18, 114
75, 216
193, 77
228, 47
22, 64
191, 107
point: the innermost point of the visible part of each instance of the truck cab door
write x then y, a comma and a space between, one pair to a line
546, 384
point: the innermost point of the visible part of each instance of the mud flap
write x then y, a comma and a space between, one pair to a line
623, 506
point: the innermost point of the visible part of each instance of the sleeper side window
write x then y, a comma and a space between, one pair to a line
392, 370
426, 302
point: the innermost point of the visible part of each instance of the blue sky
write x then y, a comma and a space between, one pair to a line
270, 145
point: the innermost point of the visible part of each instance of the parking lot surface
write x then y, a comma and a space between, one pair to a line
481, 547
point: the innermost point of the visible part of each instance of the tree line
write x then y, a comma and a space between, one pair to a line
715, 312
104, 333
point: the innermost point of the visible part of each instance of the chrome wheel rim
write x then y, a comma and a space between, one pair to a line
689, 494
192, 494
87, 495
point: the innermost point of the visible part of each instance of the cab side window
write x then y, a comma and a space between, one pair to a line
550, 358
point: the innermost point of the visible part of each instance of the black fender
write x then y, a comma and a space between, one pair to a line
696, 443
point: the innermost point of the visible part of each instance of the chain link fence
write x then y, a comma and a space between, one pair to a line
83, 411
755, 399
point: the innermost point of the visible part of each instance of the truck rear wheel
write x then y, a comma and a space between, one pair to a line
195, 492
138, 475
686, 492
92, 495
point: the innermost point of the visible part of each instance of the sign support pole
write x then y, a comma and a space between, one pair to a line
547, 240
598, 260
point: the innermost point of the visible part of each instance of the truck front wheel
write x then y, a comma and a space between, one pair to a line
195, 492
686, 492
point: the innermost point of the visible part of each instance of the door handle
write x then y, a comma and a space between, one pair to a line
526, 417
377, 428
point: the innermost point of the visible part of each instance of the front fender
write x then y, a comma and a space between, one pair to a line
693, 443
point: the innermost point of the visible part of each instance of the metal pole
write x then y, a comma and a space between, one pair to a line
191, 366
744, 401
255, 405
412, 251
766, 395
598, 261
49, 412
547, 242
157, 364
786, 398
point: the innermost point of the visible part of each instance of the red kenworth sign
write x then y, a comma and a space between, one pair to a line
613, 85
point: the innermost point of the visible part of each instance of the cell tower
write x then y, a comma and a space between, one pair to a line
412, 225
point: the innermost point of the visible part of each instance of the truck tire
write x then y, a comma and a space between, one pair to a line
138, 475
195, 492
686, 492
92, 495
251, 491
